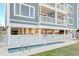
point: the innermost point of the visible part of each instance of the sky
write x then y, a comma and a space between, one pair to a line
2, 14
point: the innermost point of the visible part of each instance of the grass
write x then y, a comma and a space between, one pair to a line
71, 50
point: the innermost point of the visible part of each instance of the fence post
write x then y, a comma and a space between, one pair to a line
64, 35
8, 41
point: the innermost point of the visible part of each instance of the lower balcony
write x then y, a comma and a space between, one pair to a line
14, 41
31, 37
51, 20
47, 19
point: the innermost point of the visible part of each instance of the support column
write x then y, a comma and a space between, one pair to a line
39, 15
22, 31
19, 31
74, 34
64, 19
8, 37
54, 35
65, 37
39, 31
26, 31
33, 30
8, 31
7, 25
71, 34
56, 13
39, 34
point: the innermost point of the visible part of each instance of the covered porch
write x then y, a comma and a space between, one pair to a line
34, 36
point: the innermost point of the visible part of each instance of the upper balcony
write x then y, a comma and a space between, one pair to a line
50, 4
61, 18
60, 7
46, 19
49, 15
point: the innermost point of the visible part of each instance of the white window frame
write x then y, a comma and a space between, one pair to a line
26, 11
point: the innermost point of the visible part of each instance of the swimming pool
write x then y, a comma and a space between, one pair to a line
19, 49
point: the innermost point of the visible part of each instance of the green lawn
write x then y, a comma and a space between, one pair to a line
71, 50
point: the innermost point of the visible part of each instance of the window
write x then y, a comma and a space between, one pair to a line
14, 32
69, 20
71, 4
24, 10
69, 15
69, 9
31, 12
17, 9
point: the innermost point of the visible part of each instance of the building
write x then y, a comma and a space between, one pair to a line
77, 32
31, 24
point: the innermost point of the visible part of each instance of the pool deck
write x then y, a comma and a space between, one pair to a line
4, 52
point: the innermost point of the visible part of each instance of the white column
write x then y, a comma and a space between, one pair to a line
54, 35
71, 34
64, 19
39, 35
27, 31
22, 31
56, 13
8, 31
39, 15
74, 32
19, 31
65, 37
39, 31
8, 15
8, 36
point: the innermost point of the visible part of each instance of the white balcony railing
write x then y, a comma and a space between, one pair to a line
47, 19
60, 21
59, 6
50, 4
62, 7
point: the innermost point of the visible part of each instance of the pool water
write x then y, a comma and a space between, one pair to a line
19, 49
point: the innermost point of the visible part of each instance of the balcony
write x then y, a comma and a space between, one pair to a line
53, 6
61, 21
51, 20
47, 19
21, 41
62, 7
50, 4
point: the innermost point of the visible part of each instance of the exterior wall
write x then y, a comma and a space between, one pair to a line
73, 21
75, 15
26, 20
55, 23
30, 21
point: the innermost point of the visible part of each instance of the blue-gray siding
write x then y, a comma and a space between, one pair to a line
23, 18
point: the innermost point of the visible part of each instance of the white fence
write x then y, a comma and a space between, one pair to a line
28, 40
3, 40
